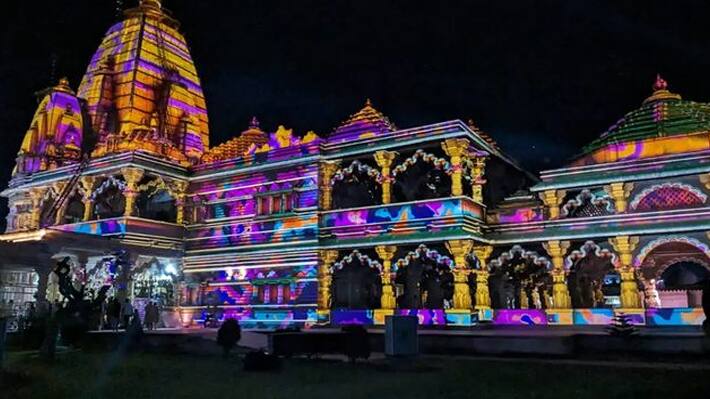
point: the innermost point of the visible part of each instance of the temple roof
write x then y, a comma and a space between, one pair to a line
238, 146
368, 122
662, 114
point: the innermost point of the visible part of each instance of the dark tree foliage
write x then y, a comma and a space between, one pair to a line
81, 305
229, 335
621, 326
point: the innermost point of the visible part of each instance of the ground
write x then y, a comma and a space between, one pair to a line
134, 376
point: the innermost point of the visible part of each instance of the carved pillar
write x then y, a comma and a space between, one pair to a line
384, 161
43, 273
705, 180
624, 247
483, 295
553, 199
386, 253
560, 293
179, 191
59, 188
327, 170
455, 149
36, 195
87, 187
326, 258
477, 180
132, 176
620, 193
459, 249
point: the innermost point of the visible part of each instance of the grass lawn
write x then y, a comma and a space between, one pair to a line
89, 375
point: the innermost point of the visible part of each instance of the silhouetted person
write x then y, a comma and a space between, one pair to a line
126, 313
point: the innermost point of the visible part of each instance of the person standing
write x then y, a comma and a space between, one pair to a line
114, 314
126, 313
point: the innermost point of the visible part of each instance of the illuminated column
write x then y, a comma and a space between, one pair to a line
477, 180
327, 170
36, 195
326, 258
455, 149
459, 249
87, 186
386, 253
132, 176
59, 188
553, 199
560, 294
624, 247
179, 191
483, 296
705, 179
384, 161
620, 193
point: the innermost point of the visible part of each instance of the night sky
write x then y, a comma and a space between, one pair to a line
541, 77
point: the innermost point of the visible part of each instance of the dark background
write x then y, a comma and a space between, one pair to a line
541, 77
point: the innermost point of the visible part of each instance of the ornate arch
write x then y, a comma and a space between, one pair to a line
589, 247
423, 251
518, 250
364, 259
439, 163
356, 165
110, 181
646, 250
665, 265
668, 196
602, 202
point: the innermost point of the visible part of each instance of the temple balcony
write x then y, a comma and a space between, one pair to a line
413, 222
660, 222
132, 231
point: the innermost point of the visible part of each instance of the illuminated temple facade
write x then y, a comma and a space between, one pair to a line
278, 228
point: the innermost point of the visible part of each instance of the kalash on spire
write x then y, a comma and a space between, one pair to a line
142, 90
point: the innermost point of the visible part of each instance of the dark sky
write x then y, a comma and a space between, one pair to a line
541, 77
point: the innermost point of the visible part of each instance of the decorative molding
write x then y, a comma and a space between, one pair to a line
423, 250
518, 250
362, 258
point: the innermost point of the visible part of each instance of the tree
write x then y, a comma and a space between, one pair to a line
229, 335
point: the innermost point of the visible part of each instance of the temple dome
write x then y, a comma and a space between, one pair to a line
142, 90
55, 134
656, 128
368, 122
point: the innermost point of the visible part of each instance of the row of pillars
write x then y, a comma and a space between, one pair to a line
131, 175
458, 151
459, 249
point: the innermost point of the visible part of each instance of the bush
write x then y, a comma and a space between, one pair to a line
229, 335
356, 343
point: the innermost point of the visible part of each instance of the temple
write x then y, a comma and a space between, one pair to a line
276, 227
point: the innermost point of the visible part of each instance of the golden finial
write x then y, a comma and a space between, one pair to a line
368, 103
63, 85
660, 91
151, 4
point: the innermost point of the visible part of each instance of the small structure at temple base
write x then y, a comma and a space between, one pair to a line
276, 229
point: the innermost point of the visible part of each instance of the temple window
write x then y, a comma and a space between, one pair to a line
588, 203
275, 203
356, 185
668, 196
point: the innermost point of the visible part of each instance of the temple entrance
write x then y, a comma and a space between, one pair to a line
592, 279
673, 272
425, 280
519, 279
356, 283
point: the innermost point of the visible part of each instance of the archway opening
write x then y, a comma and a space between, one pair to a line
356, 284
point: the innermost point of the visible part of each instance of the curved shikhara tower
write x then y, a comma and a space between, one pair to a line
142, 90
